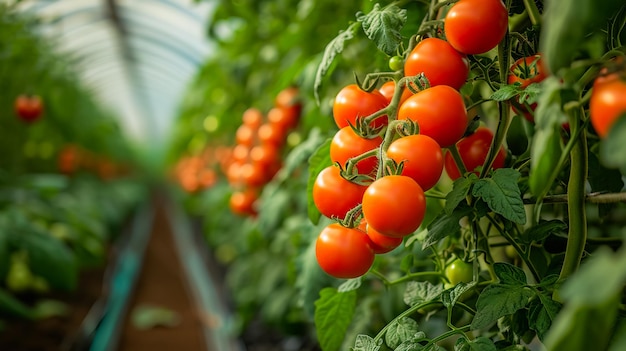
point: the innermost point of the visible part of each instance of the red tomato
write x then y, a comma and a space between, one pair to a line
28, 107
334, 195
473, 150
265, 154
347, 144
476, 26
607, 103
422, 157
440, 113
242, 202
344, 252
525, 71
439, 61
380, 243
272, 134
388, 89
352, 102
283, 117
245, 135
394, 205
289, 100
252, 118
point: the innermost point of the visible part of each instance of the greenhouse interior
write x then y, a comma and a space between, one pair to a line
312, 175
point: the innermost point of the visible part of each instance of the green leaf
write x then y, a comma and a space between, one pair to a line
383, 27
459, 192
333, 315
506, 92
444, 225
481, 343
366, 343
613, 147
333, 48
451, 296
541, 314
502, 194
350, 284
498, 300
300, 154
545, 152
310, 278
51, 259
399, 331
542, 230
317, 162
420, 292
509, 274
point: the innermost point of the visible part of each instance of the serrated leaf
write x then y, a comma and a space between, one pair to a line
317, 162
420, 292
509, 274
541, 314
498, 300
333, 315
383, 27
506, 92
502, 194
481, 343
451, 296
543, 229
366, 343
459, 192
400, 330
444, 225
333, 48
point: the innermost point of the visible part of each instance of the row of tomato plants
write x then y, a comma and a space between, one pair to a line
471, 208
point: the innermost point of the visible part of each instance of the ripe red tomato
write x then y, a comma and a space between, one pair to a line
254, 174
334, 195
439, 61
347, 144
28, 107
344, 252
265, 154
242, 202
271, 133
476, 26
525, 71
473, 150
352, 102
245, 135
283, 117
607, 103
288, 99
394, 205
440, 113
422, 157
380, 243
388, 88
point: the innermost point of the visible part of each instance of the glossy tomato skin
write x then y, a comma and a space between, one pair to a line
607, 103
421, 156
526, 71
346, 144
242, 202
394, 205
459, 271
476, 26
439, 61
379, 243
352, 102
473, 150
252, 118
334, 195
28, 107
344, 252
440, 113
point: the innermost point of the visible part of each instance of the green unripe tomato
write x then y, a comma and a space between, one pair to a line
459, 271
396, 63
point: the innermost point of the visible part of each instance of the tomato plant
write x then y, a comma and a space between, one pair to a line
473, 151
334, 195
439, 112
525, 71
344, 252
440, 63
476, 26
347, 144
394, 205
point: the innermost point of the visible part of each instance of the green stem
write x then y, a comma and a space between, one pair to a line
457, 159
577, 235
412, 276
406, 313
533, 12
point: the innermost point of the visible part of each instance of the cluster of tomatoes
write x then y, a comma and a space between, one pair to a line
392, 146
73, 158
28, 108
199, 172
259, 143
